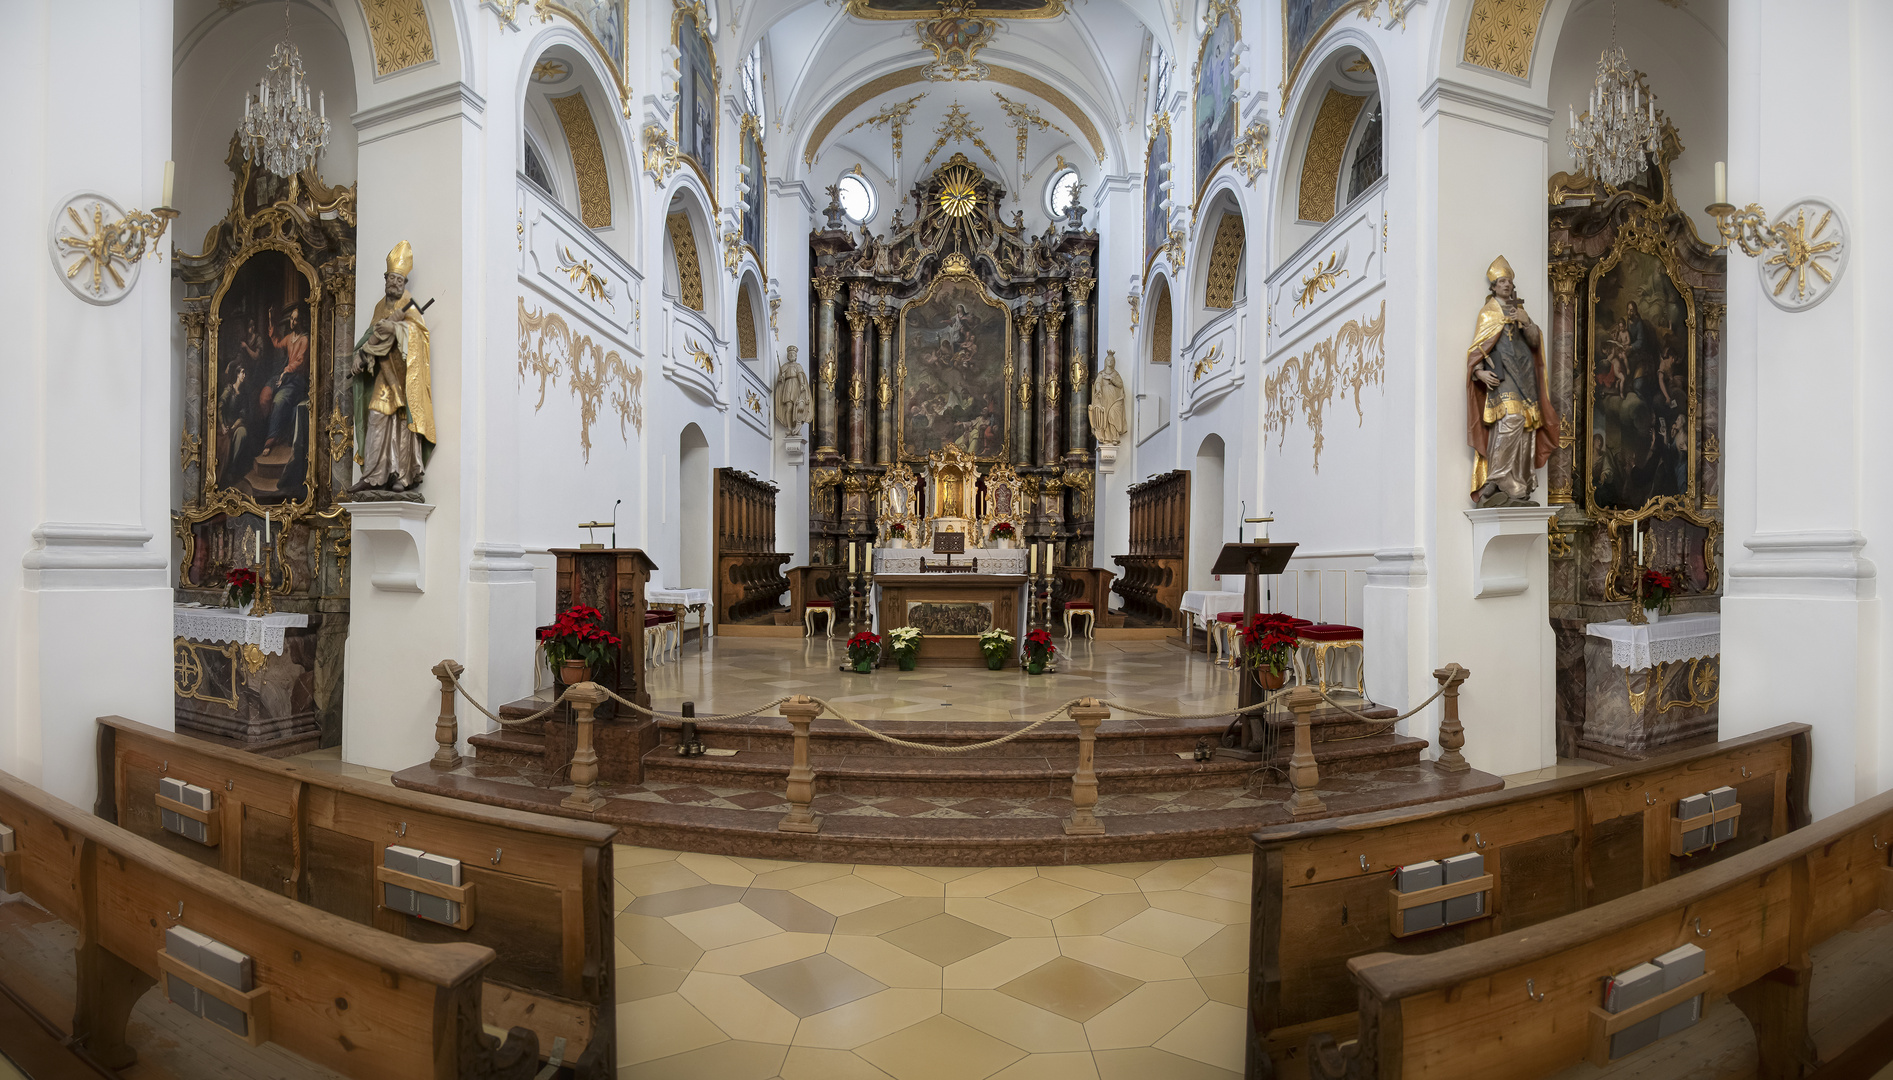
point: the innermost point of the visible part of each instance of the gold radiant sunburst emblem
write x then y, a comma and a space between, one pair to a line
959, 192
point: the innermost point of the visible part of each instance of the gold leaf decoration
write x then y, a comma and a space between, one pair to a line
1353, 357
1499, 35
398, 34
683, 243
547, 345
1321, 165
588, 160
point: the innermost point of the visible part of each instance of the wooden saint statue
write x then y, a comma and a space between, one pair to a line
394, 403
1107, 402
1510, 422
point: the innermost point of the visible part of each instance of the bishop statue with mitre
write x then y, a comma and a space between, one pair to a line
394, 407
1510, 421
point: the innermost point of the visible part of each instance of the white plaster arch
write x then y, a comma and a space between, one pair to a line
686, 195
453, 54
591, 75
1286, 234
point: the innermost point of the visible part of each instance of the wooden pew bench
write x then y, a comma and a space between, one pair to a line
1323, 888
1529, 1003
540, 887
349, 998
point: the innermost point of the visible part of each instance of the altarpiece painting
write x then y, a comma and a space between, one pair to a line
264, 350
956, 363
1641, 381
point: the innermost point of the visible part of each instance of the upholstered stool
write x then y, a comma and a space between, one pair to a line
1081, 609
1322, 639
1225, 637
663, 635
812, 608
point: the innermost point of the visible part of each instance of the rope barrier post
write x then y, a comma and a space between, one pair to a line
800, 711
1302, 773
585, 697
1451, 735
446, 725
1088, 713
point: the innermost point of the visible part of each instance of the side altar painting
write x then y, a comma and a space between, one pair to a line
955, 367
1640, 384
265, 348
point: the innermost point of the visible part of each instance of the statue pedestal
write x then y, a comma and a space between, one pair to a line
1107, 458
795, 448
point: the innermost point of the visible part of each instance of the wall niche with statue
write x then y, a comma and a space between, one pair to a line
1636, 368
268, 325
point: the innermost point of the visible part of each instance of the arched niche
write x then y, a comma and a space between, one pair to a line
690, 277
568, 128
1206, 510
694, 495
1160, 347
1220, 278
751, 310
1337, 146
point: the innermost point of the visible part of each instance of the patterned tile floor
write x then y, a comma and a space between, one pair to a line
754, 969
740, 673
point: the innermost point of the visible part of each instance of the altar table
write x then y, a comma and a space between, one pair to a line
1649, 687
991, 560
236, 679
951, 611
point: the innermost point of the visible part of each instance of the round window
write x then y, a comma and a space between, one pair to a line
857, 198
1060, 192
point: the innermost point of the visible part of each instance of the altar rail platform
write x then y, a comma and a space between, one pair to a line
1002, 805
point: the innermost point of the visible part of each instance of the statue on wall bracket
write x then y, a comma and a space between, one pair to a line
1511, 424
394, 404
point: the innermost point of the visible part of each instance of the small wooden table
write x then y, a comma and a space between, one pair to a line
951, 610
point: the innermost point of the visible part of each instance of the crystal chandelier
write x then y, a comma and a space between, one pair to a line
279, 129
1619, 128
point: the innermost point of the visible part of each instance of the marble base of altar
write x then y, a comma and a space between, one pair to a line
1650, 689
951, 611
246, 681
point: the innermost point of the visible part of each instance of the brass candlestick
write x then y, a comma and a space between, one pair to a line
1637, 567
264, 604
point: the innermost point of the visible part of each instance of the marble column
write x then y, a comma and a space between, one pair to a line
190, 450
1028, 318
1077, 416
1048, 406
1561, 473
885, 321
825, 369
860, 362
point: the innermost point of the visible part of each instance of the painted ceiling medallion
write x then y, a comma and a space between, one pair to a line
959, 191
1800, 272
955, 38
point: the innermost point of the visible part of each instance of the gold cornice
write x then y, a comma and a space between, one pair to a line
1321, 162
894, 80
588, 159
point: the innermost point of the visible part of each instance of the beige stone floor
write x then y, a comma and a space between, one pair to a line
753, 969
731, 674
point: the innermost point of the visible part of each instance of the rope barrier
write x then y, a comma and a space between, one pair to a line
490, 715
1006, 738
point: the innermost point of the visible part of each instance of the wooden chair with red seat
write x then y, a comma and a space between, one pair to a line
663, 634
1225, 637
1081, 609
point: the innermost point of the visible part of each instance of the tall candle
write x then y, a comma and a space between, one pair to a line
170, 181
1032, 559
266, 514
851, 556
1722, 181
1050, 558
256, 548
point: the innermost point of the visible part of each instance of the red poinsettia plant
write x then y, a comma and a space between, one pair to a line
1659, 589
239, 587
578, 634
1003, 530
864, 647
1039, 648
1269, 642
897, 529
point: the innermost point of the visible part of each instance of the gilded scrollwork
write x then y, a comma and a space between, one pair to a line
1353, 357
597, 376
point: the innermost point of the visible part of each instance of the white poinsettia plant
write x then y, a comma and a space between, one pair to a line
905, 640
995, 642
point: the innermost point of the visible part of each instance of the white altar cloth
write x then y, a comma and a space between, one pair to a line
991, 560
677, 597
228, 624
1670, 639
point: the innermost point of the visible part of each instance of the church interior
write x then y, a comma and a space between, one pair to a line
918, 653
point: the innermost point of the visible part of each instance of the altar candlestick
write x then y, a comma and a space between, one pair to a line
1032, 560
266, 514
851, 556
256, 548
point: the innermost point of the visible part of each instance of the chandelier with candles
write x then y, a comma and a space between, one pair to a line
279, 128
1619, 128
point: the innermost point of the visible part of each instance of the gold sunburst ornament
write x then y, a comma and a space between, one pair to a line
959, 192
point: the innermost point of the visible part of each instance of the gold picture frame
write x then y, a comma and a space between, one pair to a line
698, 16
618, 63
957, 272
1219, 10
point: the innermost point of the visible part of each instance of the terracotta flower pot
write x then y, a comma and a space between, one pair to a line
573, 672
1271, 680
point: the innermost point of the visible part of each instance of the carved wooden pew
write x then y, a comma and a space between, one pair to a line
538, 888
1323, 890
1529, 1003
347, 997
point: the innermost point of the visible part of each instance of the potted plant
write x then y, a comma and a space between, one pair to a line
995, 645
1003, 533
905, 641
1659, 590
864, 651
1268, 647
577, 643
897, 535
1039, 651
239, 589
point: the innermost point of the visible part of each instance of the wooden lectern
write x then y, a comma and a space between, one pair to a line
1252, 561
611, 580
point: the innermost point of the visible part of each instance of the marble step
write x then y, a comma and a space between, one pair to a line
509, 747
1050, 774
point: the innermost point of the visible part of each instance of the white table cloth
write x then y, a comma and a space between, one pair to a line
991, 560
1670, 639
683, 600
218, 625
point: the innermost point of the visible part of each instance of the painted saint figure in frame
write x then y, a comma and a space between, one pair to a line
264, 375
1215, 135
1156, 228
696, 107
1641, 440
954, 353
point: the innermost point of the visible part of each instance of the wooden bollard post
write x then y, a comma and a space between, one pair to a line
1084, 783
1302, 773
446, 725
1451, 735
800, 711
585, 697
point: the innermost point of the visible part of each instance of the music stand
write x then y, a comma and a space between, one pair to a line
1252, 561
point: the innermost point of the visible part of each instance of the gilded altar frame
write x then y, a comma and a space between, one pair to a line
259, 244
952, 270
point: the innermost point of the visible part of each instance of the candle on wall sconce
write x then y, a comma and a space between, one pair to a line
170, 182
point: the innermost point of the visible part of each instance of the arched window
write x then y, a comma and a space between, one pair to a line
536, 170
751, 75
1225, 263
857, 198
1366, 167
1060, 191
1163, 68
1160, 324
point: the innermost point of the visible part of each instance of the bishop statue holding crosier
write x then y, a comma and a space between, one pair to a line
1510, 421
394, 404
